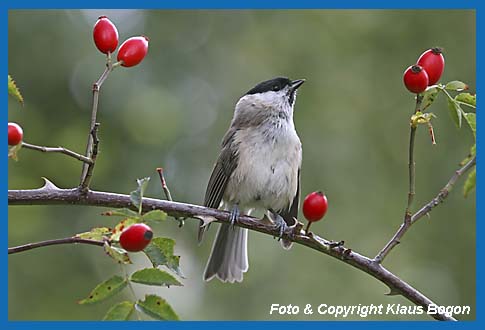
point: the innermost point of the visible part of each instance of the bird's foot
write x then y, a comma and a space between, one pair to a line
280, 224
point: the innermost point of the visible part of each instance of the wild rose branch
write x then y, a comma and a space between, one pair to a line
420, 78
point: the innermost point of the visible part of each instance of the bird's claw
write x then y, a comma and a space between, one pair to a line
280, 224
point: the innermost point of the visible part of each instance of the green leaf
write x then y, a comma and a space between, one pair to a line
121, 213
155, 216
473, 152
470, 182
118, 254
154, 276
14, 91
160, 253
472, 122
157, 307
122, 225
105, 290
455, 112
429, 96
467, 98
456, 85
12, 151
136, 196
120, 312
97, 234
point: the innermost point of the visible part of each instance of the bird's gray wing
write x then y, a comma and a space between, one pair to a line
223, 168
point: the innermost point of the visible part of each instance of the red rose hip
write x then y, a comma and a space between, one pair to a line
315, 206
433, 62
105, 35
136, 237
133, 51
415, 79
15, 134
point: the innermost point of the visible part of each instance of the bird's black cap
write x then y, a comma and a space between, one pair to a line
274, 84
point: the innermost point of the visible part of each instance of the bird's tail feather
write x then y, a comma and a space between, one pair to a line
229, 257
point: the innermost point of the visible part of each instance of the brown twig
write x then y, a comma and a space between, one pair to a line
94, 112
61, 150
94, 154
168, 195
68, 240
443, 192
395, 240
50, 194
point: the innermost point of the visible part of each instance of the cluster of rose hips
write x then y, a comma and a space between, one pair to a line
105, 35
426, 72
130, 53
315, 206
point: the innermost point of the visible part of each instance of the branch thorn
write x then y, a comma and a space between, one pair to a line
48, 185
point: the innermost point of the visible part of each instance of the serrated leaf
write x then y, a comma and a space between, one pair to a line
124, 212
105, 290
456, 85
13, 151
155, 215
118, 254
160, 253
120, 312
429, 96
470, 182
472, 122
14, 91
157, 307
455, 112
97, 233
154, 276
467, 98
136, 196
122, 225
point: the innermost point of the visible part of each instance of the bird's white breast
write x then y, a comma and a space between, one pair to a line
268, 160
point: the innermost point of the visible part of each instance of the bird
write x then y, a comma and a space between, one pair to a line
258, 168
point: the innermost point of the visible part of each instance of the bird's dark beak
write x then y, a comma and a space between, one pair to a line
296, 83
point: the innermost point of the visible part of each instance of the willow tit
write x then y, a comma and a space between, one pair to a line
258, 168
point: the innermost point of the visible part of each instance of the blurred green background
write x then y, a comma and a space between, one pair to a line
172, 110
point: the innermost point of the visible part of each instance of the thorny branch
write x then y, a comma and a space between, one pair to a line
50, 194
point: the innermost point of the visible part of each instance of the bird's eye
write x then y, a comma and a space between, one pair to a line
276, 88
